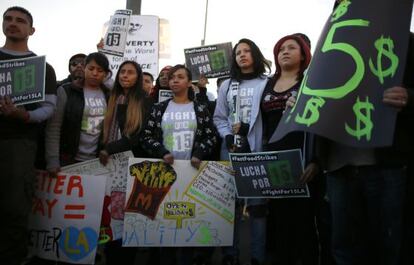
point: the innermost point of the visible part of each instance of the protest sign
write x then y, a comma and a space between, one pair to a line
212, 61
269, 174
177, 205
361, 52
66, 216
141, 45
115, 173
23, 80
164, 94
116, 35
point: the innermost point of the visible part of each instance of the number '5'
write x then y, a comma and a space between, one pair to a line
329, 45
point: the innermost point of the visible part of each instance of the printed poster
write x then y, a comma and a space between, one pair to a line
269, 174
362, 52
164, 94
115, 37
66, 216
178, 205
115, 173
141, 45
212, 61
23, 80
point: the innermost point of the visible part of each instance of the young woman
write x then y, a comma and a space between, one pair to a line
74, 132
179, 128
126, 113
291, 221
239, 122
122, 125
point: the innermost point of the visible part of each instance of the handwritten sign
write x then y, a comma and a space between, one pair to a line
23, 80
359, 55
269, 174
212, 61
115, 172
65, 217
166, 206
214, 188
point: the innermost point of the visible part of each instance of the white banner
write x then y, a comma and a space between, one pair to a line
66, 216
141, 45
178, 205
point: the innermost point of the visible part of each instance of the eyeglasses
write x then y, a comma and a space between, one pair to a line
76, 62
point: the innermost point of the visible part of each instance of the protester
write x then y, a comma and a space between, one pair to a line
123, 122
198, 134
74, 132
126, 115
20, 127
148, 81
161, 82
247, 72
366, 188
290, 220
76, 69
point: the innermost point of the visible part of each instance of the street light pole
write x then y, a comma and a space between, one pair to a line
203, 41
135, 6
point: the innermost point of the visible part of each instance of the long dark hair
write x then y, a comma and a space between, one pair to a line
135, 100
260, 64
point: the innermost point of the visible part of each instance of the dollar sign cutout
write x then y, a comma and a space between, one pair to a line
366, 127
311, 111
385, 47
341, 10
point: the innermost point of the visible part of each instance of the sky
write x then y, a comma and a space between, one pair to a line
67, 27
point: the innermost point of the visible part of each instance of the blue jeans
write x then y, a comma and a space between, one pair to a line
367, 205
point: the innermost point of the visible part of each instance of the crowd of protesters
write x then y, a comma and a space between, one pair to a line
360, 210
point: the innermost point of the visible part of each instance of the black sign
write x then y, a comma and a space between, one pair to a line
23, 80
269, 174
361, 53
211, 61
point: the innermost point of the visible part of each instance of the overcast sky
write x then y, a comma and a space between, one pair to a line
66, 27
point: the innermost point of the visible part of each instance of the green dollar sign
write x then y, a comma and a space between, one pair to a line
389, 53
311, 112
341, 10
361, 117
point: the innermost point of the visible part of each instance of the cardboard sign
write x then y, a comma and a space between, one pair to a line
212, 61
66, 216
361, 52
269, 174
23, 80
178, 205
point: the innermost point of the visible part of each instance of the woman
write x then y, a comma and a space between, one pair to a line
122, 125
74, 132
239, 122
292, 220
179, 128
126, 113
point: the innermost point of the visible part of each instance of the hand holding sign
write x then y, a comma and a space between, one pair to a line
396, 97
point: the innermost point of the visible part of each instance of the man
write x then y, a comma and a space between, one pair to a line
76, 69
19, 130
148, 82
367, 186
